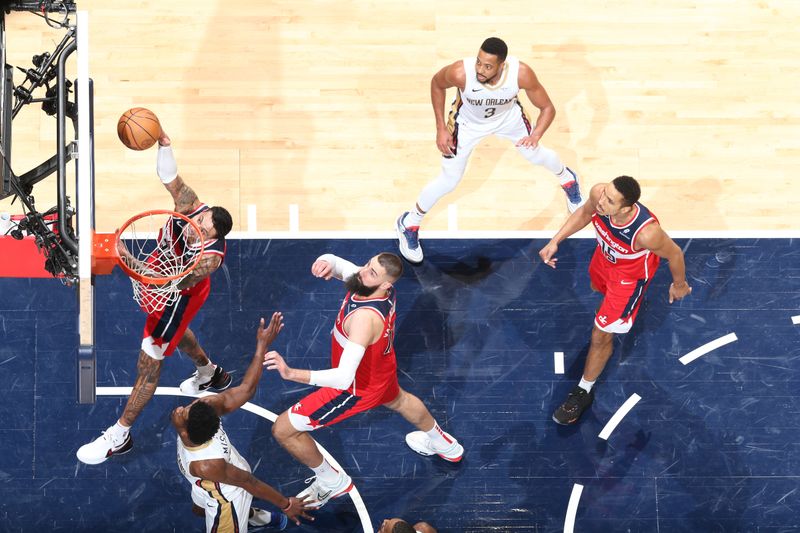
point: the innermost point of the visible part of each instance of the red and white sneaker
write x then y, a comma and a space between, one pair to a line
420, 442
104, 447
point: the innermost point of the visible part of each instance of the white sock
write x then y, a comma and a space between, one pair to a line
586, 385
326, 473
207, 371
119, 431
565, 177
438, 438
413, 218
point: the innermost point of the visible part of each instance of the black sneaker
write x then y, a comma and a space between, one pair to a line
573, 407
221, 380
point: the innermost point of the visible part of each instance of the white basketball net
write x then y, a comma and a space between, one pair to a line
152, 253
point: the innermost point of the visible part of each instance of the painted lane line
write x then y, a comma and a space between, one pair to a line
572, 508
796, 319
294, 218
619, 415
355, 496
251, 218
558, 362
704, 349
452, 217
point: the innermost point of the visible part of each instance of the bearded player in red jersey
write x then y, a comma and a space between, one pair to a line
363, 375
630, 245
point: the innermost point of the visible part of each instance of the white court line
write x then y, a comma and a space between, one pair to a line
294, 218
358, 502
619, 415
796, 319
558, 362
572, 508
452, 217
704, 349
251, 218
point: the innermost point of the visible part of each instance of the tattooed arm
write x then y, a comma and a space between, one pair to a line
185, 198
208, 264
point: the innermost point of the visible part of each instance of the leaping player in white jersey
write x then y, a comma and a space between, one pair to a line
486, 104
223, 484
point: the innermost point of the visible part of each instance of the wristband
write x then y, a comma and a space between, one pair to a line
289, 506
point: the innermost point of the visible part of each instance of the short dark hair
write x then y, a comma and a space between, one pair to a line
628, 188
202, 423
392, 263
496, 47
403, 527
222, 221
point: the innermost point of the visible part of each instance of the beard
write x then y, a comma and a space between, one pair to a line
357, 287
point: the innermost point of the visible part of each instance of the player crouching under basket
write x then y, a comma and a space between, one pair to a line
171, 283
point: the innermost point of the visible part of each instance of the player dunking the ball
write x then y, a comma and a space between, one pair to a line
486, 104
363, 375
169, 329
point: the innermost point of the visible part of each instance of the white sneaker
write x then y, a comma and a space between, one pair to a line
420, 442
573, 192
104, 447
408, 241
193, 386
321, 493
260, 518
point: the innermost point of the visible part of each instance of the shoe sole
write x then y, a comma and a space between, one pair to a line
426, 454
569, 423
223, 387
122, 451
337, 495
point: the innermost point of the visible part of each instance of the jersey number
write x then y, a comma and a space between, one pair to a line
607, 252
389, 341
489, 112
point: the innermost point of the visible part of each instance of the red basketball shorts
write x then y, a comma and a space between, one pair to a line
327, 406
623, 291
164, 329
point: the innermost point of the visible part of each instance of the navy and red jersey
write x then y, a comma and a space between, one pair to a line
378, 368
616, 244
175, 236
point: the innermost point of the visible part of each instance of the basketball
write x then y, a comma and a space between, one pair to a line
138, 128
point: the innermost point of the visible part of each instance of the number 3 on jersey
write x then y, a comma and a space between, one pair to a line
489, 112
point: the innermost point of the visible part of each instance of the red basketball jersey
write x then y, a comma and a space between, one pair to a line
378, 367
616, 243
173, 232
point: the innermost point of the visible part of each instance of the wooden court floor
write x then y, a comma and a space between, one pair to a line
325, 105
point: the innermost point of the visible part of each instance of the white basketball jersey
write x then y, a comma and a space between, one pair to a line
488, 104
218, 447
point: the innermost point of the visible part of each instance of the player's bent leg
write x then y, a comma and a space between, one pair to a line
407, 224
148, 372
567, 178
191, 347
290, 430
600, 350
117, 440
208, 375
578, 399
431, 439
